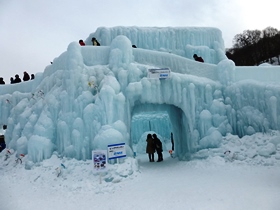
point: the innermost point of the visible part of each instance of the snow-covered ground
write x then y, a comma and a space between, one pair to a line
241, 181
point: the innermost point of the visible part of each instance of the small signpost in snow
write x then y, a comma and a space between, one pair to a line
99, 158
163, 73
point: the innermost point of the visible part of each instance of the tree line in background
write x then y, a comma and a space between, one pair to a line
254, 47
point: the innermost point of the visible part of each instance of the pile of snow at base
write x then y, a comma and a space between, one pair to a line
245, 178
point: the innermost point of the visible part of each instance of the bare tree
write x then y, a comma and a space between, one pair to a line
269, 32
248, 37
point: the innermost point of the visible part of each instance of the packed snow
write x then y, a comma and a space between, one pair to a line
242, 179
225, 122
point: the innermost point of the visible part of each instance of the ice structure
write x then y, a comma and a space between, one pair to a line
91, 96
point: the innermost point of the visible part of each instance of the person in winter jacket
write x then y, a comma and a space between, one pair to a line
2, 81
2, 143
2, 138
17, 79
158, 146
26, 76
172, 141
199, 59
81, 42
95, 42
150, 149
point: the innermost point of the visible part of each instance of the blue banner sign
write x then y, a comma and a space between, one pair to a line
163, 73
116, 151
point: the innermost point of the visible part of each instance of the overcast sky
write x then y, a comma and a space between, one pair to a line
34, 32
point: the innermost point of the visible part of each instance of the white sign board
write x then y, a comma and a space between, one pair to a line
99, 158
116, 151
163, 73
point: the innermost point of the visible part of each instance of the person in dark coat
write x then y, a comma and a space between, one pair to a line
12, 80
172, 141
95, 42
199, 59
17, 79
32, 76
26, 76
158, 146
2, 81
2, 143
150, 149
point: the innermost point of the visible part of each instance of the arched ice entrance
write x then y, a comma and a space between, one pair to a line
161, 119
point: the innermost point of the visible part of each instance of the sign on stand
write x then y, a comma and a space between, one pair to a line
163, 73
116, 151
99, 158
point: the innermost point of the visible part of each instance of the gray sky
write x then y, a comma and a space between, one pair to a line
34, 32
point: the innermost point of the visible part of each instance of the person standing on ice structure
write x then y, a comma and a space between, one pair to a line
95, 42
81, 42
2, 81
158, 146
199, 59
150, 149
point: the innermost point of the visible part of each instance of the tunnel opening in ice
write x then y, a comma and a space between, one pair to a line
161, 119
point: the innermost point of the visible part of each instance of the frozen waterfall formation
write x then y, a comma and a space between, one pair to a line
94, 96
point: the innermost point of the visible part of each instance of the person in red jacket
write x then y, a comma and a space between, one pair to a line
199, 59
81, 42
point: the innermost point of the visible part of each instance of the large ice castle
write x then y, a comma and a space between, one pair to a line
94, 96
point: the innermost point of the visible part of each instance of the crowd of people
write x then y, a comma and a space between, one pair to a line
94, 41
17, 79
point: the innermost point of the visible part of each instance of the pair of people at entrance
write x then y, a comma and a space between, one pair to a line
154, 144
